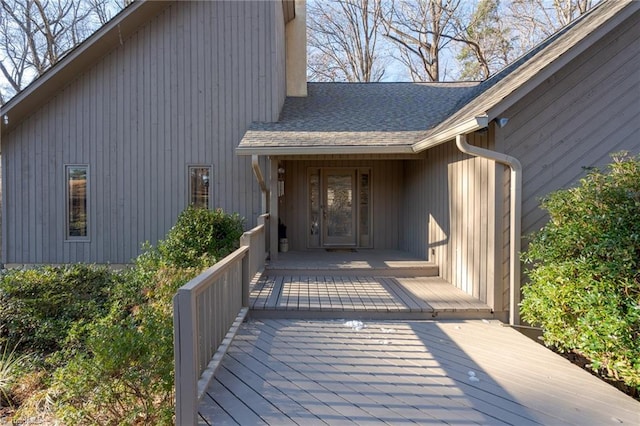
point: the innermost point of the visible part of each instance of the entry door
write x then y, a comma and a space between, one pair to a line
339, 207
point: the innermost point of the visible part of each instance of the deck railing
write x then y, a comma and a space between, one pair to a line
206, 313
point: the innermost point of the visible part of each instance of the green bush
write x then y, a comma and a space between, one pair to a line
200, 237
38, 307
127, 366
584, 285
105, 339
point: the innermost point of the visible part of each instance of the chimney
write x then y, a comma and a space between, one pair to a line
296, 51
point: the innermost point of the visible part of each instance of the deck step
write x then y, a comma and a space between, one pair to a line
463, 314
306, 296
398, 270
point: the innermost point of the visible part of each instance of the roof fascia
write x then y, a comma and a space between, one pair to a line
77, 60
324, 150
563, 59
450, 133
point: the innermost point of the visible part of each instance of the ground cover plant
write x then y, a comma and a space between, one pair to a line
584, 273
100, 343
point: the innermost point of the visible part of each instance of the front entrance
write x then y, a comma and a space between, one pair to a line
339, 207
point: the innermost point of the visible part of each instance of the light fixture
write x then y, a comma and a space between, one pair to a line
501, 121
280, 181
6, 119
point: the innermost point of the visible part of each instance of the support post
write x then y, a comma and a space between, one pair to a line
273, 206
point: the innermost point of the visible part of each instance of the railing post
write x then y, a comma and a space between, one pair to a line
246, 278
186, 375
245, 240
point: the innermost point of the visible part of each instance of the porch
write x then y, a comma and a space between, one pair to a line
336, 370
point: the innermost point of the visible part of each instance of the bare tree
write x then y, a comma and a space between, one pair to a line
535, 20
423, 29
489, 46
35, 34
343, 40
485, 40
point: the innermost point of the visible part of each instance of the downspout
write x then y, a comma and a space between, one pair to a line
515, 218
260, 178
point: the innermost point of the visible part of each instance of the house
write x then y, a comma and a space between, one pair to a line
205, 102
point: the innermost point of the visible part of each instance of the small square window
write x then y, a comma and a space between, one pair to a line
76, 178
199, 185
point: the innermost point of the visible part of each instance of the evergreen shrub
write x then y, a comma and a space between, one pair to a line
584, 273
127, 367
38, 307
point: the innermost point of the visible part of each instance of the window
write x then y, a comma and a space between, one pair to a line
76, 178
199, 179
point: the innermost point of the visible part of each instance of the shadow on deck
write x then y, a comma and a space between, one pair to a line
367, 284
293, 368
288, 372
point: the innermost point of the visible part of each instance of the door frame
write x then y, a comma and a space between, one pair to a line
316, 234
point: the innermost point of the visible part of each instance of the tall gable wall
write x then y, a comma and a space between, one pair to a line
181, 91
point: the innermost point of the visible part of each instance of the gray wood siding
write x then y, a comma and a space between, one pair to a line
386, 185
448, 216
575, 119
181, 91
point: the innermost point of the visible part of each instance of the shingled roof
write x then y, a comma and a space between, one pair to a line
410, 117
359, 115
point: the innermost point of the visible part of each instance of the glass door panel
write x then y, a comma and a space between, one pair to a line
364, 208
339, 216
314, 208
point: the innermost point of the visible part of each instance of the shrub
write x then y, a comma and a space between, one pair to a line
200, 237
39, 306
128, 363
127, 367
584, 285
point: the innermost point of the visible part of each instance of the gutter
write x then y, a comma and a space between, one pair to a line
462, 128
325, 150
260, 178
515, 218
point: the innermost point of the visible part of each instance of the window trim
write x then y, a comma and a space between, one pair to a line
191, 167
67, 199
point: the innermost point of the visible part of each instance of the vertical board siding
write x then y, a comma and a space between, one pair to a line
449, 202
181, 90
386, 187
572, 121
576, 119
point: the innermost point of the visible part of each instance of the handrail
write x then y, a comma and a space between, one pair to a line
207, 312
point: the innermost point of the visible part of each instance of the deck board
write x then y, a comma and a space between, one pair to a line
280, 371
360, 296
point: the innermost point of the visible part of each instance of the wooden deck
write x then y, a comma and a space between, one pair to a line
330, 296
358, 284
280, 372
349, 263
294, 362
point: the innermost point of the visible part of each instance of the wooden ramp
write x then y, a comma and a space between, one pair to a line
281, 372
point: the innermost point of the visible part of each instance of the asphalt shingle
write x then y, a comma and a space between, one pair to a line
359, 114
